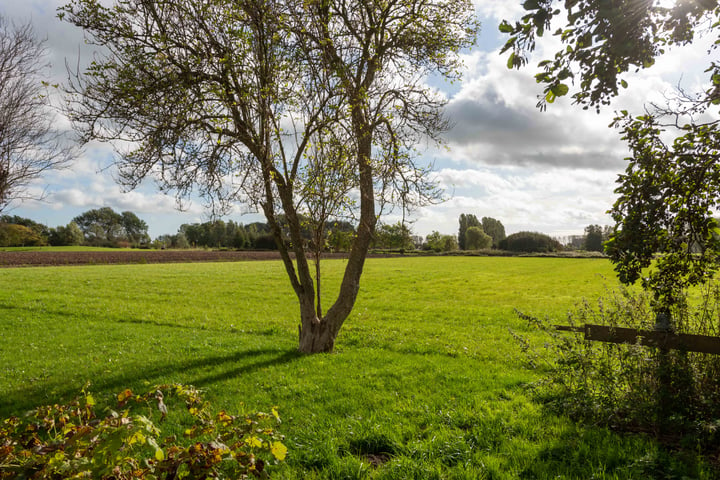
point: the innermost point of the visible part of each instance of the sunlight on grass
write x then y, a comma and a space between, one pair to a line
426, 381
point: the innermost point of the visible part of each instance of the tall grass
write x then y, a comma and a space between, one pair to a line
426, 380
671, 393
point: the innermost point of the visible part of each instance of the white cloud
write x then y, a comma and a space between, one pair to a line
496, 122
499, 9
556, 201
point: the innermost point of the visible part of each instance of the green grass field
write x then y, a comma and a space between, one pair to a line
426, 381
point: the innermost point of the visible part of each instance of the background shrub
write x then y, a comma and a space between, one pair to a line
530, 242
12, 235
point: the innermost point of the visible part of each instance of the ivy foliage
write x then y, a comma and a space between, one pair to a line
72, 441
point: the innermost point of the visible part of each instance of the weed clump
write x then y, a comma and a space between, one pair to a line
673, 394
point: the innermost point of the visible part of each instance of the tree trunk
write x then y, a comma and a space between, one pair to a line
318, 335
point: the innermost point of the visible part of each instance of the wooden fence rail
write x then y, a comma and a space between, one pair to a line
650, 338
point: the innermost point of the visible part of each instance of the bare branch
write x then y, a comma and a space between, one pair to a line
29, 143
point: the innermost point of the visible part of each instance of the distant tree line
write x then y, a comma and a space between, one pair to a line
472, 235
253, 236
98, 227
530, 242
105, 227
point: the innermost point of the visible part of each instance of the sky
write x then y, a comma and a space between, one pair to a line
552, 172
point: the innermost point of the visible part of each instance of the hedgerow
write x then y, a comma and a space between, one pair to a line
673, 394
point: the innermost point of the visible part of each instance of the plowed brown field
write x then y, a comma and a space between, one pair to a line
26, 259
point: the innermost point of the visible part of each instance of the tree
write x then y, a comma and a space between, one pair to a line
14, 235
104, 226
449, 243
530, 242
135, 229
669, 191
477, 239
42, 230
466, 221
438, 242
397, 236
29, 143
227, 97
495, 229
68, 235
340, 235
593, 238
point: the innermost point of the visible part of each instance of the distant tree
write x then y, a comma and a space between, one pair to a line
593, 238
29, 142
417, 241
340, 235
216, 232
395, 236
65, 236
236, 236
530, 242
171, 241
495, 229
466, 221
264, 241
449, 243
438, 242
477, 239
179, 241
13, 235
434, 241
135, 230
104, 226
37, 227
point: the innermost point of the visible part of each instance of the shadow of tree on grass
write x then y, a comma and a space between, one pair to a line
231, 365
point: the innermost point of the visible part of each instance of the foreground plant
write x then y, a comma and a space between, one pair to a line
675, 393
71, 441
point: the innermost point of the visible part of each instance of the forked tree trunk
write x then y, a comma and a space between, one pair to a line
318, 334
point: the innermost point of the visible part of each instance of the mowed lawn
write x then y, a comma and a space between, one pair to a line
426, 380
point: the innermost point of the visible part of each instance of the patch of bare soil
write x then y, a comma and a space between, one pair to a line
26, 259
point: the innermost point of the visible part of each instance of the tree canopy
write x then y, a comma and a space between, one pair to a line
495, 229
593, 241
477, 239
104, 226
466, 221
530, 242
247, 101
669, 193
